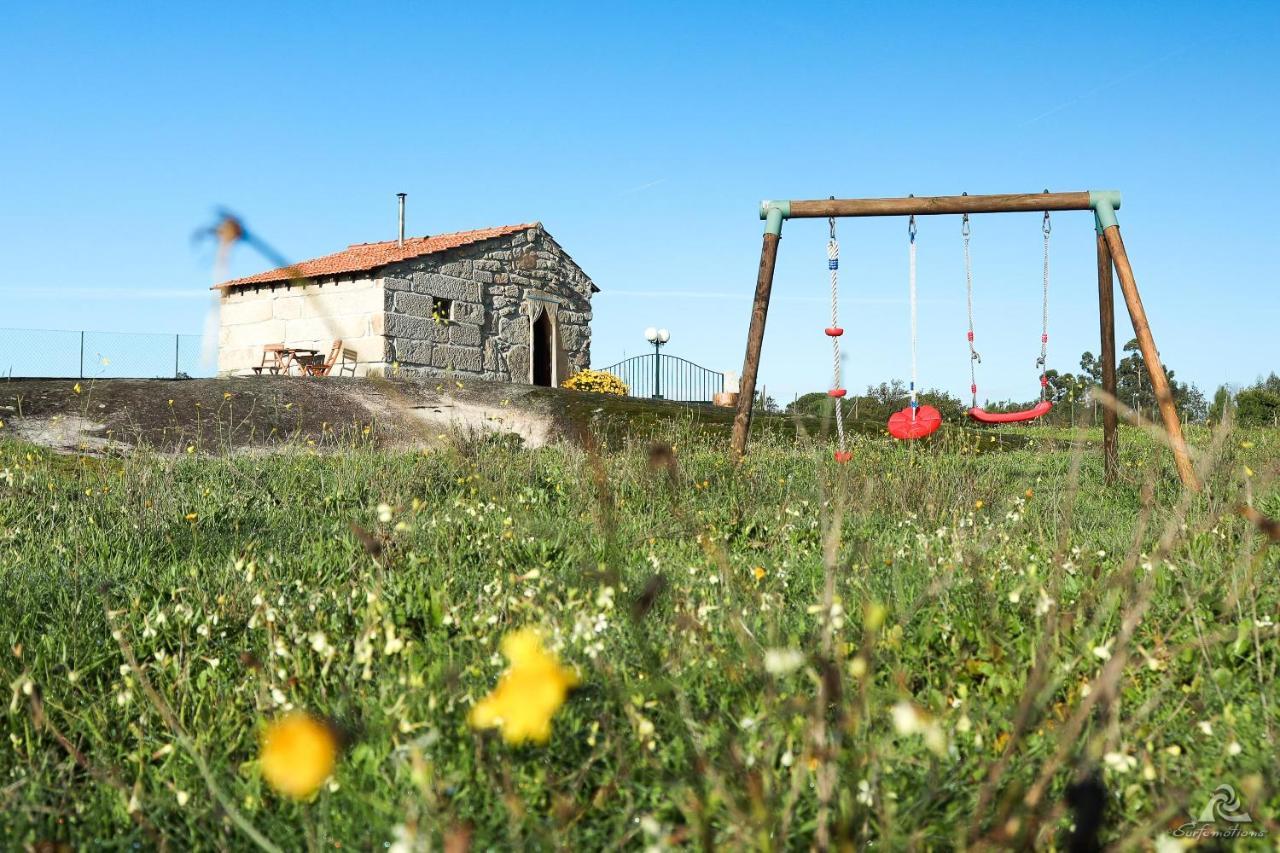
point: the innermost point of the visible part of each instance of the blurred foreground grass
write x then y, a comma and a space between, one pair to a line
926, 647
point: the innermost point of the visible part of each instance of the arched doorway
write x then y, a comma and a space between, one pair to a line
543, 350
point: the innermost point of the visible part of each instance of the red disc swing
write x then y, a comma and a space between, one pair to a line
1041, 408
914, 421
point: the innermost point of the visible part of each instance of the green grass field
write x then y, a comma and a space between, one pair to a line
924, 648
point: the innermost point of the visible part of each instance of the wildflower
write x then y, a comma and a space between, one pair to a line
758, 573
182, 797
1234, 748
384, 513
528, 694
1029, 493
783, 661
298, 754
76, 388
191, 516
1121, 762
978, 504
910, 720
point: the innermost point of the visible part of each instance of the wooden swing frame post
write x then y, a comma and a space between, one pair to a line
1107, 326
1111, 252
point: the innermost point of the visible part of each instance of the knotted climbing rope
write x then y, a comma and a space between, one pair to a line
834, 332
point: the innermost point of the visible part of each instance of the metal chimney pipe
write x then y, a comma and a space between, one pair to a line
400, 240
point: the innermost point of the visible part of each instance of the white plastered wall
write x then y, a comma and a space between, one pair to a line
311, 315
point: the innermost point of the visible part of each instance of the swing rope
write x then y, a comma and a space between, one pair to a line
1043, 361
833, 264
974, 358
914, 421
911, 277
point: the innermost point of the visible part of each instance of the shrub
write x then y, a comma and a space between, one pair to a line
598, 381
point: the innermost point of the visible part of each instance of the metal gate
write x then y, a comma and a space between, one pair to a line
668, 377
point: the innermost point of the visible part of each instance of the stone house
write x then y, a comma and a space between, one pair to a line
505, 303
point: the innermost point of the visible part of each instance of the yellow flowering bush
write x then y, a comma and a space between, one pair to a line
598, 381
528, 694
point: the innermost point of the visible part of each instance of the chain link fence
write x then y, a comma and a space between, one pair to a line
54, 354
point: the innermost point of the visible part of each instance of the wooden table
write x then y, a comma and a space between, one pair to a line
298, 356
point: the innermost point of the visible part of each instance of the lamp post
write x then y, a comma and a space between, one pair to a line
657, 337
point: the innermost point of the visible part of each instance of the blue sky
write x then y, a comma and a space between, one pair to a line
643, 137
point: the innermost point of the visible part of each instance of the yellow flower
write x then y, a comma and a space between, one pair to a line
597, 381
76, 387
1029, 493
528, 694
298, 754
758, 571
978, 504
191, 516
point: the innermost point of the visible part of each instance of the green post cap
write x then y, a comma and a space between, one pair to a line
1105, 203
773, 212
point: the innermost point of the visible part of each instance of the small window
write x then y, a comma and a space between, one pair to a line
441, 309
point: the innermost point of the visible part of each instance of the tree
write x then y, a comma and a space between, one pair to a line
1091, 367
765, 404
1258, 406
1221, 401
1192, 404
808, 404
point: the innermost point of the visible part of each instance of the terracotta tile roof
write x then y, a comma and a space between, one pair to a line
361, 257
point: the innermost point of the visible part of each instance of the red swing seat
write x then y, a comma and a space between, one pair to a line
1038, 410
903, 426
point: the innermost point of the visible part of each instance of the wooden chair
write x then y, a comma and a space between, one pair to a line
348, 362
272, 360
323, 368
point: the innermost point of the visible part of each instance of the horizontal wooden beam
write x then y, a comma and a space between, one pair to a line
930, 205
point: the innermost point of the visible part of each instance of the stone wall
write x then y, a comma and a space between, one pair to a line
493, 286
303, 316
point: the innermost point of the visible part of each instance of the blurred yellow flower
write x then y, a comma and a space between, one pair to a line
759, 572
76, 388
298, 754
528, 694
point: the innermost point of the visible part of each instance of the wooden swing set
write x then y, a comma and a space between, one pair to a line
914, 422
